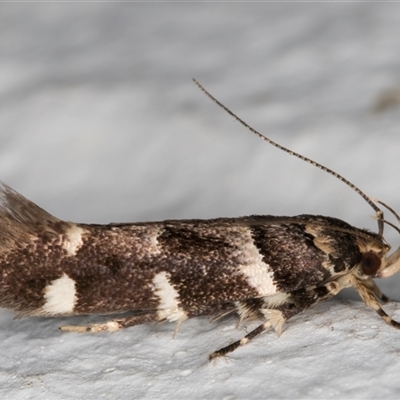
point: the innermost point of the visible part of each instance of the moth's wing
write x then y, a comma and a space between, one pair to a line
21, 219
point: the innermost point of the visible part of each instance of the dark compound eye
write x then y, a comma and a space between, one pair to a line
370, 263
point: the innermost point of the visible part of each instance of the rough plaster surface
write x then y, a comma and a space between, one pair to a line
100, 122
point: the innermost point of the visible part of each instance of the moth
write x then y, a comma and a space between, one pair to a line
265, 267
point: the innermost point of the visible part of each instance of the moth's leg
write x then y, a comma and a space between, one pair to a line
376, 291
227, 349
221, 315
276, 317
252, 308
368, 297
113, 325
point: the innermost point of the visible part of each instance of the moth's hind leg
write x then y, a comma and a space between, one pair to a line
369, 297
113, 325
277, 314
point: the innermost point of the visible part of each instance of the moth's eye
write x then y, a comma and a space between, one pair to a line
370, 263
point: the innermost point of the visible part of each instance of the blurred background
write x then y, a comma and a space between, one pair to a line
100, 120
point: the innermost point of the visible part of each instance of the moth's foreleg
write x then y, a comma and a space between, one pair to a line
376, 291
113, 325
369, 298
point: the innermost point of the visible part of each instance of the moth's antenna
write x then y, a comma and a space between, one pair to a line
378, 211
397, 216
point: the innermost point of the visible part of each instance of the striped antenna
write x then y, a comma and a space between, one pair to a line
378, 211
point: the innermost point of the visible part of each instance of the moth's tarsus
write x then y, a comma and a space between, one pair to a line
233, 346
388, 319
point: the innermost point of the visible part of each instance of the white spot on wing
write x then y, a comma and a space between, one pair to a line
73, 240
256, 271
60, 296
154, 245
169, 299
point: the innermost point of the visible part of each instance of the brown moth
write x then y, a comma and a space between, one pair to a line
268, 267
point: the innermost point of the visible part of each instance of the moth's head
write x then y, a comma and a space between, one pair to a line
371, 264
373, 250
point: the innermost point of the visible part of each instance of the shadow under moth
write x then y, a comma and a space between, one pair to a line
262, 266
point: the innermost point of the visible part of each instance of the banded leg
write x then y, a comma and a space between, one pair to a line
369, 298
276, 317
113, 325
376, 291
227, 349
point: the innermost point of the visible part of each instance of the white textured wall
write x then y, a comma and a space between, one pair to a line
100, 122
